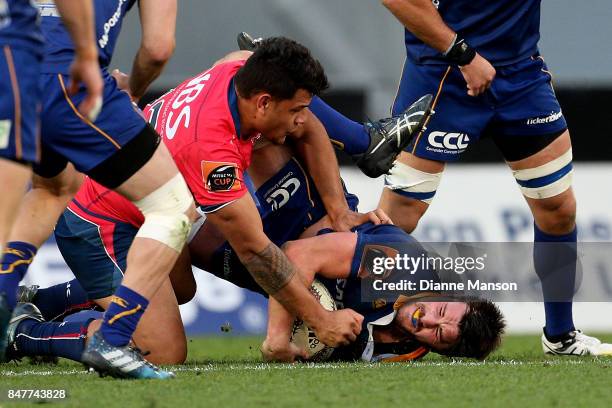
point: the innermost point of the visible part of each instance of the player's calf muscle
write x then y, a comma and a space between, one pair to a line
182, 279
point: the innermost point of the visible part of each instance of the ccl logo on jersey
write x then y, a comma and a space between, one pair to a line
448, 142
280, 196
220, 176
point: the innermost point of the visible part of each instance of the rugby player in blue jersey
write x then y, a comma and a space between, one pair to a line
21, 44
397, 326
291, 208
480, 60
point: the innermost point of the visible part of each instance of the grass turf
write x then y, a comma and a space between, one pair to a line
226, 371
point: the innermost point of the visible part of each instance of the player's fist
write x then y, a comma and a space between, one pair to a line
478, 75
282, 351
339, 328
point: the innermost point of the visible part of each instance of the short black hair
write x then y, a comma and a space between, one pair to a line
280, 66
480, 330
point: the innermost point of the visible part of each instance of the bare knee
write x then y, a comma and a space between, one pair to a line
169, 353
176, 355
409, 219
65, 185
556, 215
404, 212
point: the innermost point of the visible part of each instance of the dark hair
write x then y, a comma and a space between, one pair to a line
480, 330
280, 66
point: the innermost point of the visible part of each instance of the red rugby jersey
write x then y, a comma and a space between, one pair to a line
200, 124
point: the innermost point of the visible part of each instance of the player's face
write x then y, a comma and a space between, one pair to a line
433, 323
282, 117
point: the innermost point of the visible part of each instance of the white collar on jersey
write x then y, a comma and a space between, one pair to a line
368, 352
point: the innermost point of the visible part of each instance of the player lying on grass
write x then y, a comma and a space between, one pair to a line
290, 207
340, 260
396, 327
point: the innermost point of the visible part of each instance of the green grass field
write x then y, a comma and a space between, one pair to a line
226, 372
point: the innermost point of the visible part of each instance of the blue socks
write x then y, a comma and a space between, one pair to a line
60, 300
122, 316
16, 258
345, 134
65, 339
555, 258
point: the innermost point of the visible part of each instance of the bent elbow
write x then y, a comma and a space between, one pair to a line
159, 53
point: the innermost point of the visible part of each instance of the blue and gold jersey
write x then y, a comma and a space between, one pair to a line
377, 241
502, 31
59, 49
19, 26
289, 203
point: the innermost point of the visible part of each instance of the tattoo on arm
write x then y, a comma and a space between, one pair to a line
271, 269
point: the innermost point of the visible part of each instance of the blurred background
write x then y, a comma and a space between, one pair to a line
361, 47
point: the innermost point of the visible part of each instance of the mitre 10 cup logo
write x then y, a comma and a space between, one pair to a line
220, 176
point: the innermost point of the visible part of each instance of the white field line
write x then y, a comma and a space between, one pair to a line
324, 366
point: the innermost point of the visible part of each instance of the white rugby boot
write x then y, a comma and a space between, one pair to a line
576, 343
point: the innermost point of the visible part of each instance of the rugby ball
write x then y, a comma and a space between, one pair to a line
304, 337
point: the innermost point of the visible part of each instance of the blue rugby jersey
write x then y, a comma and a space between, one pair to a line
289, 203
19, 25
59, 49
378, 240
502, 31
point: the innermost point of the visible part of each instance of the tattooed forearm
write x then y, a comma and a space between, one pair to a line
270, 268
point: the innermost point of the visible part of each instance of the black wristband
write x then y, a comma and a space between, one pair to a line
460, 53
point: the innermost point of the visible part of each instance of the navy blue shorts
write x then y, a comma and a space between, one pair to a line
521, 103
69, 136
95, 249
19, 104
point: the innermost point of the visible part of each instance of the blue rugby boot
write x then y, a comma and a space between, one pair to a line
120, 362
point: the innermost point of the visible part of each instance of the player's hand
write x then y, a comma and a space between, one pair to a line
281, 351
478, 75
349, 219
85, 69
123, 82
379, 216
338, 328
